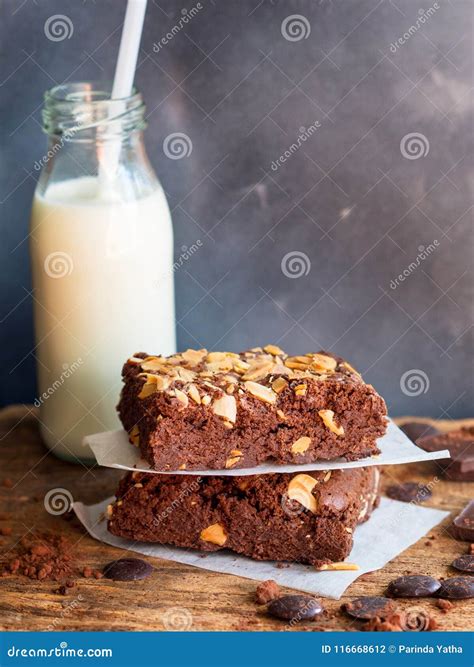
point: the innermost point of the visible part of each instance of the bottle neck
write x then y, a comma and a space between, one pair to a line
85, 112
92, 136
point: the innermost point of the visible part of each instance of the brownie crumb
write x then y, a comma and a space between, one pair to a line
444, 605
393, 623
6, 530
62, 590
267, 591
7, 483
43, 556
90, 573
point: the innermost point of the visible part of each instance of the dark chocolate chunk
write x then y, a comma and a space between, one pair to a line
460, 443
462, 527
415, 430
464, 563
127, 569
369, 607
409, 492
295, 608
457, 588
413, 586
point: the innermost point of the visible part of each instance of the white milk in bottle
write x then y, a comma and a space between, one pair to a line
102, 264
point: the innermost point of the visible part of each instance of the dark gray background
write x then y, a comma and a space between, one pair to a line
347, 198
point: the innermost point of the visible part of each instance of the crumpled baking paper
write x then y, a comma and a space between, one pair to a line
391, 529
113, 450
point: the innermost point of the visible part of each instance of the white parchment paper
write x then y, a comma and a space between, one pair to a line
113, 450
392, 528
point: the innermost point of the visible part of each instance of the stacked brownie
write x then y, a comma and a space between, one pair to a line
207, 411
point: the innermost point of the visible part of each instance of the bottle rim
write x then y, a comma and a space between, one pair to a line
73, 108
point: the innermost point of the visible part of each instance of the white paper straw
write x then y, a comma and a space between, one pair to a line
128, 52
123, 79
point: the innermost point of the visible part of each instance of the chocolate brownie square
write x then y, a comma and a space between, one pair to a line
215, 410
304, 518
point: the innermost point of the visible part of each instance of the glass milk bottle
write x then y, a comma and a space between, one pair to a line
101, 244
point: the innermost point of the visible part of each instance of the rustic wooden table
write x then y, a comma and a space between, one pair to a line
213, 601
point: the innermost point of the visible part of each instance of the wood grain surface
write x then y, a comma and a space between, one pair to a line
210, 601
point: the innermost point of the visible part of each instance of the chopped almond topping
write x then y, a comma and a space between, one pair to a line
152, 384
153, 363
194, 357
261, 392
215, 356
300, 390
273, 349
279, 385
182, 397
259, 370
300, 489
235, 456
301, 445
225, 406
193, 392
324, 362
328, 418
339, 566
215, 534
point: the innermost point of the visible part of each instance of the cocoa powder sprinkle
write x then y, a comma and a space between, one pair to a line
42, 556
